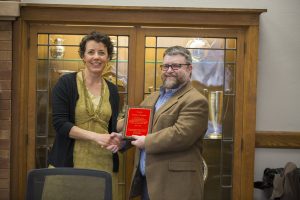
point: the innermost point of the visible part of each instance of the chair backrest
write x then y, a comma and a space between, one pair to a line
68, 184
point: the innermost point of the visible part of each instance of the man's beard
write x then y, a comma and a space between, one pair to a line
173, 82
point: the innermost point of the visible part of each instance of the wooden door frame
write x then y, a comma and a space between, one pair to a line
246, 20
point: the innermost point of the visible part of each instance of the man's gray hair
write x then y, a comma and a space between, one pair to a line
179, 50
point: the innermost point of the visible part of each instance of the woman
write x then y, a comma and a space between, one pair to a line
85, 110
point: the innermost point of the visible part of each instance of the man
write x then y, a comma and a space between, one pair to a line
168, 161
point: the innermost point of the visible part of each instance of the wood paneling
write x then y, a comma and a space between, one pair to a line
5, 74
5, 55
5, 115
4, 83
5, 45
277, 139
5, 125
5, 64
9, 9
5, 104
4, 194
4, 183
5, 35
4, 144
5, 26
4, 159
5, 94
4, 134
4, 173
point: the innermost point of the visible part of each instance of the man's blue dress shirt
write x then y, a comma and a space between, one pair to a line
163, 98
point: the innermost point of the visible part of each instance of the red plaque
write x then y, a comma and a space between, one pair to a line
138, 121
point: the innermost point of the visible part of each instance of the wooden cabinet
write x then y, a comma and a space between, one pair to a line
48, 39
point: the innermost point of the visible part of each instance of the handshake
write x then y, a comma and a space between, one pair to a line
115, 141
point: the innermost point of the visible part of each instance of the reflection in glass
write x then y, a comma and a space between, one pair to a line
150, 83
43, 39
228, 117
42, 78
212, 153
70, 53
123, 41
163, 42
229, 83
227, 148
215, 103
208, 62
42, 107
230, 56
208, 77
158, 77
57, 51
122, 64
230, 43
150, 41
197, 48
43, 52
69, 40
41, 156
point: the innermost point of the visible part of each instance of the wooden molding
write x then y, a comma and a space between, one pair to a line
9, 10
277, 139
145, 16
145, 8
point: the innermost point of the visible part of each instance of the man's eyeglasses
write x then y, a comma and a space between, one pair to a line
174, 66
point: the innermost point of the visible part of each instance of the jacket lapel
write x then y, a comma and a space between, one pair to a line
173, 100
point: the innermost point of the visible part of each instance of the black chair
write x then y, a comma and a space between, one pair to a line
68, 184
